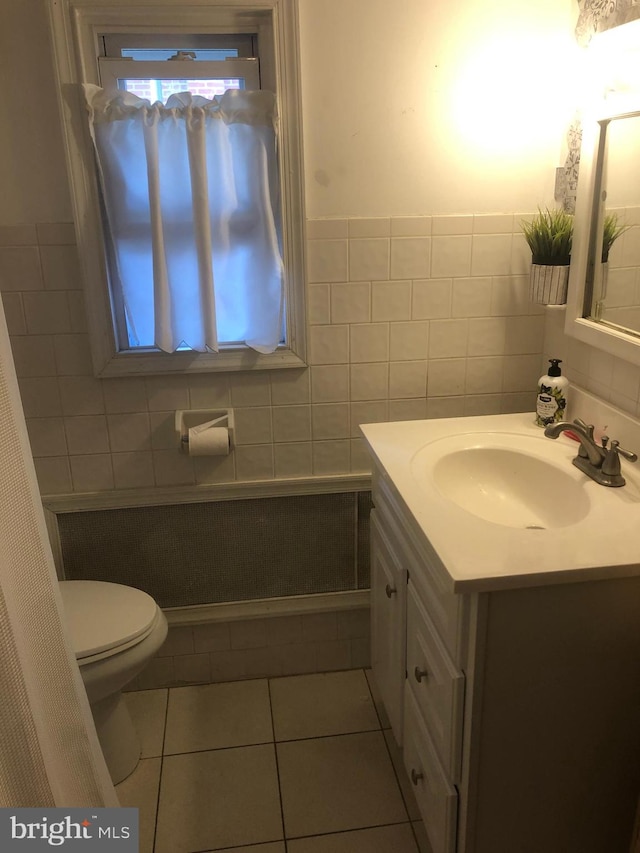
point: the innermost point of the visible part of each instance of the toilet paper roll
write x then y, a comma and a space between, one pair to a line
209, 440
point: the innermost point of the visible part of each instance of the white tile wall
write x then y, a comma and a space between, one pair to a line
409, 317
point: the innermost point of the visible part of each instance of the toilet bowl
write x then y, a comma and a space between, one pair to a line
115, 631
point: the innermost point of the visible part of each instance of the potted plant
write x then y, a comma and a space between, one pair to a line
612, 229
549, 235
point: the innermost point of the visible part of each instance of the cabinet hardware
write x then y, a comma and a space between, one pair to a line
416, 777
389, 591
420, 673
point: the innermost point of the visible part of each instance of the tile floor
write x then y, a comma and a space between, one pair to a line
301, 764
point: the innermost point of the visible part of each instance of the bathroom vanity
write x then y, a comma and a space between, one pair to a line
506, 635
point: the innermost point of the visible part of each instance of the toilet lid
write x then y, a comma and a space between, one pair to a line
103, 616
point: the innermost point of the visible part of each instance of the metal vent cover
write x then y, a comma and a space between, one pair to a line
220, 551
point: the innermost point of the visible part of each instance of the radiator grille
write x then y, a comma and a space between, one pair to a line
236, 550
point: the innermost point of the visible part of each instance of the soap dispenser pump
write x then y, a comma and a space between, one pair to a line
551, 402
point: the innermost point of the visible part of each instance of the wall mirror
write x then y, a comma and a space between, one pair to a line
604, 286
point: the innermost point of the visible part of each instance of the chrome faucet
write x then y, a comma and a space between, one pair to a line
600, 462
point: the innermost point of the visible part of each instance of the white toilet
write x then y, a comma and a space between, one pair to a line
115, 631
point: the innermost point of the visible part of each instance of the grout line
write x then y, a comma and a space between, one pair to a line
275, 752
351, 829
164, 737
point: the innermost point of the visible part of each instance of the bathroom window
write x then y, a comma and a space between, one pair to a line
188, 186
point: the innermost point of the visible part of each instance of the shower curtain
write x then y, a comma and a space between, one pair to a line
49, 751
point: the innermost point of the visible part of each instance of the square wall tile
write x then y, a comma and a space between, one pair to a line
331, 457
524, 335
448, 338
167, 392
92, 473
368, 413
431, 299
369, 381
18, 235
254, 462
330, 383
54, 475
291, 423
391, 300
409, 341
73, 355
327, 229
521, 373
132, 470
318, 304
20, 269
369, 342
491, 254
173, 468
60, 267
472, 297
40, 397
214, 469
446, 377
408, 410
81, 395
129, 431
210, 390
14, 313
290, 387
327, 260
410, 226
351, 303
293, 460
250, 389
330, 420
87, 434
47, 436
329, 344
33, 355
510, 297
368, 259
148, 709
124, 395
253, 425
46, 313
56, 233
407, 379
369, 227
484, 375
450, 256
487, 336
360, 464
452, 225
140, 791
493, 223
410, 257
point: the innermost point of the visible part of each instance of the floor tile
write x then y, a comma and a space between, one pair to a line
140, 791
336, 783
424, 846
377, 699
273, 847
322, 704
218, 799
403, 778
212, 716
381, 839
148, 709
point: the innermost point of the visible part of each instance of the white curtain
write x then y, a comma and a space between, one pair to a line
191, 198
49, 754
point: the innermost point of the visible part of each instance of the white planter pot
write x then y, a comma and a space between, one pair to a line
548, 285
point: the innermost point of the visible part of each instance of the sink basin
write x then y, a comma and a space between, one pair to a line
511, 480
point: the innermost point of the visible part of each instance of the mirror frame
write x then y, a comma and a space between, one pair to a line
610, 340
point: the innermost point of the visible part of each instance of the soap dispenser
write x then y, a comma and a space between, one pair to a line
551, 402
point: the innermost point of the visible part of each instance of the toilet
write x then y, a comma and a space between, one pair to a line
115, 631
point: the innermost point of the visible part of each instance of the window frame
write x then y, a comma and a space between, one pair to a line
77, 29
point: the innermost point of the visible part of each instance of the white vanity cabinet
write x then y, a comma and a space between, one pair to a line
517, 706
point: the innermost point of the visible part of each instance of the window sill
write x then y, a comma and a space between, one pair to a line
150, 363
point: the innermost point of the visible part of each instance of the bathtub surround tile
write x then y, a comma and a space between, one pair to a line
47, 436
60, 267
329, 344
410, 226
351, 303
323, 704
450, 256
20, 269
407, 379
410, 257
408, 341
216, 716
318, 305
327, 260
369, 342
327, 229
148, 709
390, 300
140, 790
431, 299
330, 420
442, 225
368, 259
337, 783
292, 460
331, 457
14, 313
205, 798
291, 423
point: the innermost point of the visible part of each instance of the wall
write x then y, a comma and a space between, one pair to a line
422, 151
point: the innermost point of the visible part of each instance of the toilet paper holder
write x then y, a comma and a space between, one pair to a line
186, 419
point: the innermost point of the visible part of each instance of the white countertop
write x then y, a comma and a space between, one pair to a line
481, 555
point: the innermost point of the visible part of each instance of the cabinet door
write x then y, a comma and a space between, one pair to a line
388, 624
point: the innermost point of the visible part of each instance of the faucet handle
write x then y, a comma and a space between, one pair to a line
589, 429
611, 463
